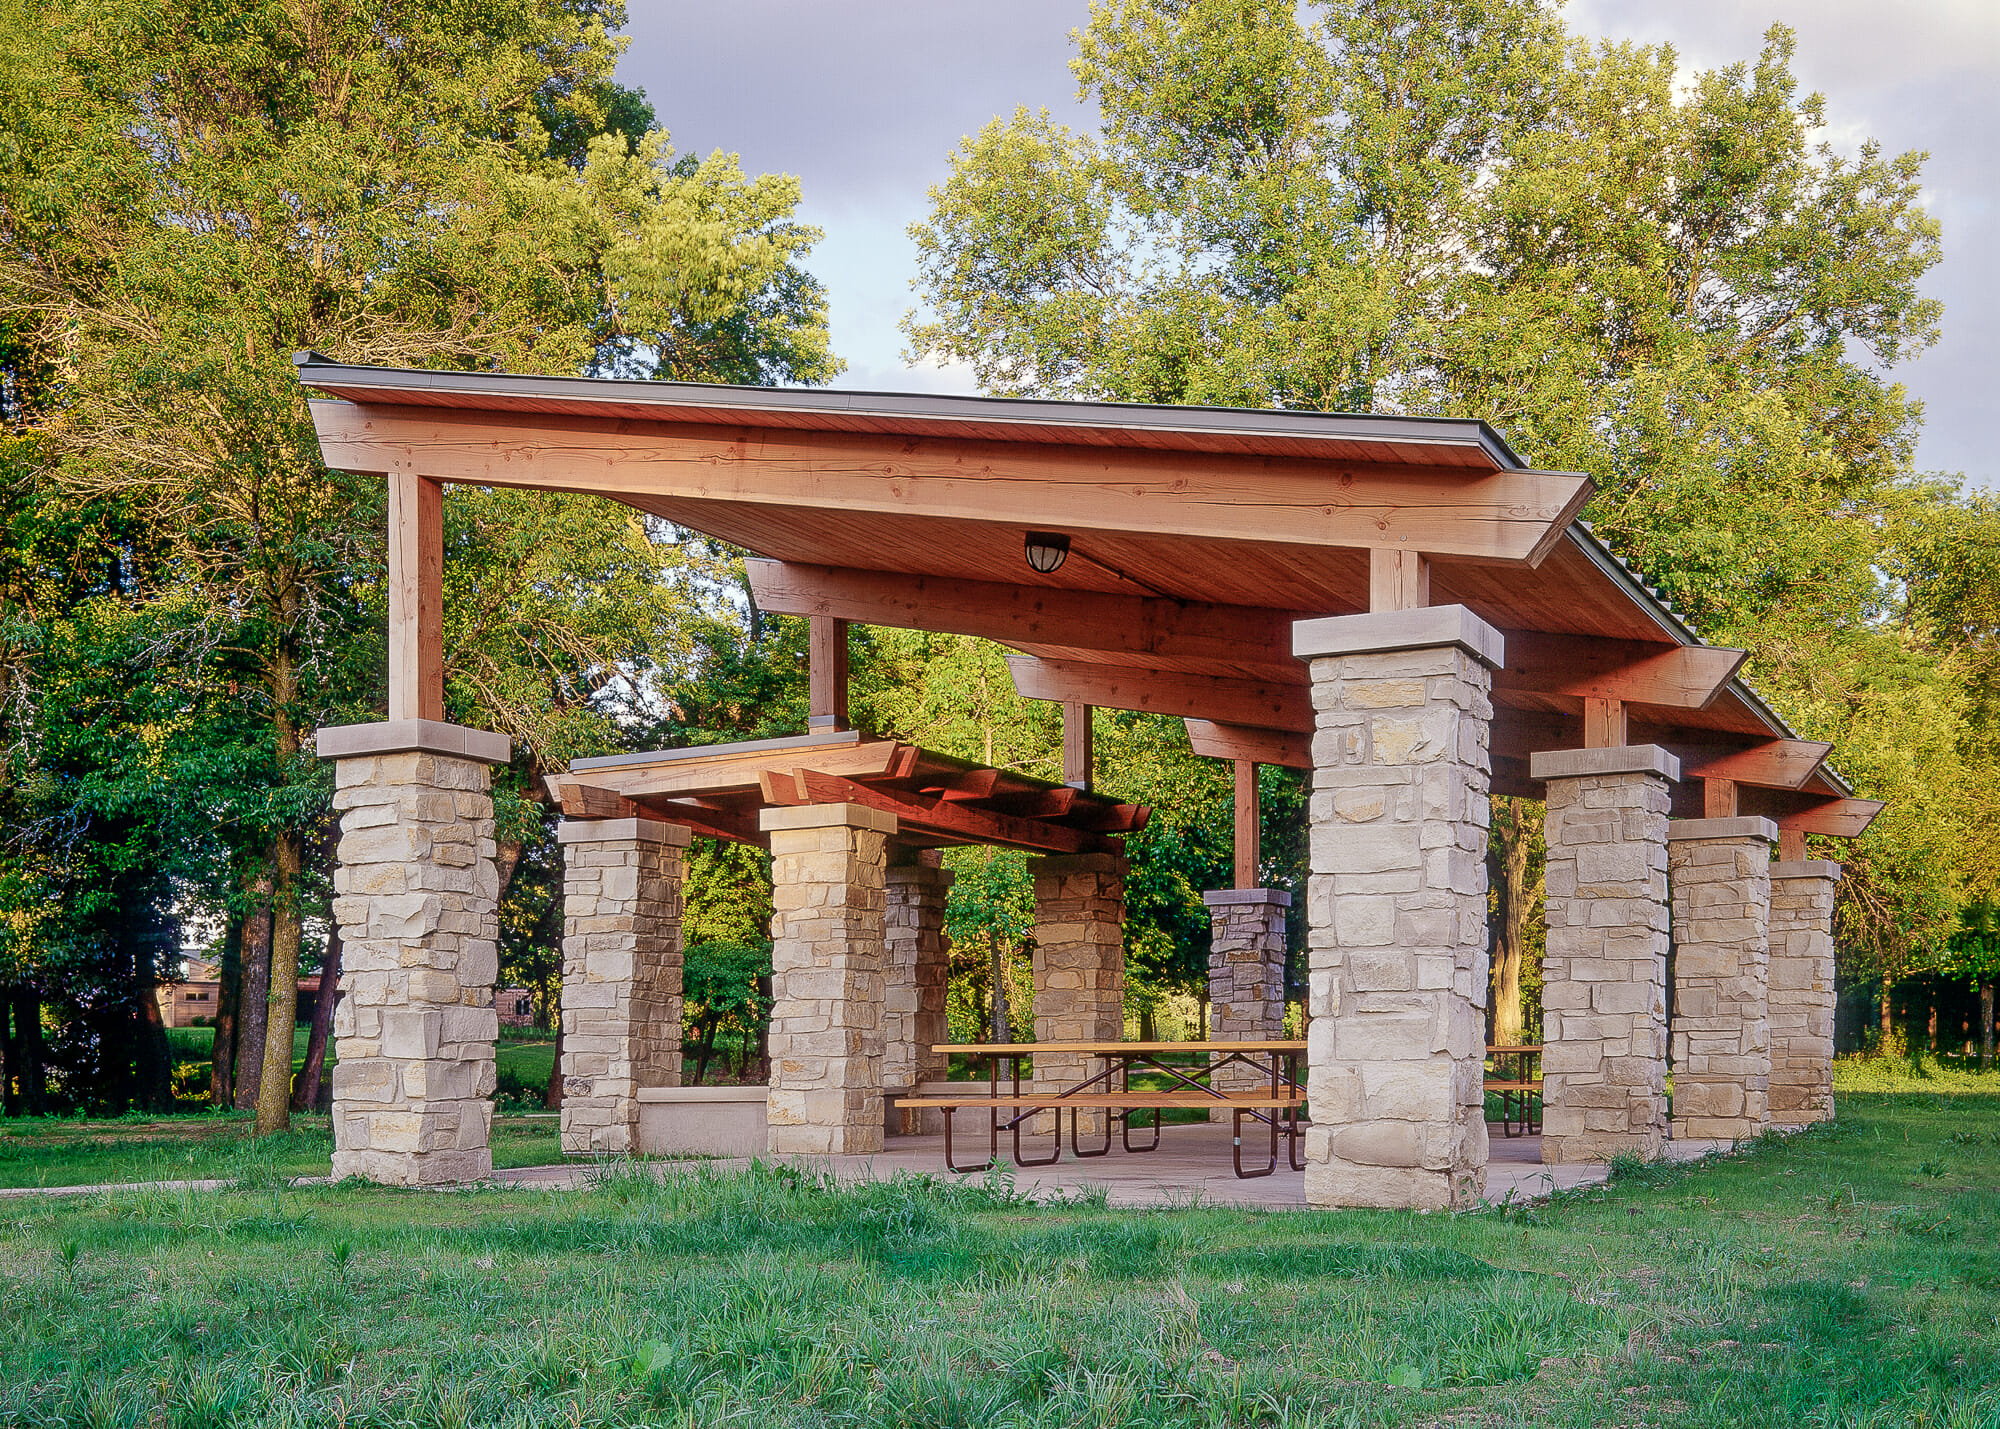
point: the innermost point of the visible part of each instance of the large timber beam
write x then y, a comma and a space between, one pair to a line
1774, 764
1248, 702
1839, 818
1637, 672
1260, 746
937, 817
1452, 511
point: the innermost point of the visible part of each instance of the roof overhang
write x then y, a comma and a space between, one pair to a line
1198, 535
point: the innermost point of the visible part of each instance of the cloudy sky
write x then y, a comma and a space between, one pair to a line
864, 99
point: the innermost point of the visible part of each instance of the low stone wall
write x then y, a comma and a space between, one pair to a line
703, 1121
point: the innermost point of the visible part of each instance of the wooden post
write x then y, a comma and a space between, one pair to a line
1604, 725
1398, 580
1079, 746
826, 673
1718, 798
416, 597
1248, 849
1791, 845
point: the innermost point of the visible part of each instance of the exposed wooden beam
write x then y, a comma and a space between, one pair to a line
1250, 702
1398, 579
1235, 741
735, 773
1457, 511
1079, 744
918, 813
1604, 723
826, 672
1640, 673
1249, 853
715, 823
996, 610
1839, 818
1774, 764
416, 597
1791, 845
1718, 798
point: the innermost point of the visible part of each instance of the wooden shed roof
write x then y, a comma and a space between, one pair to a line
1198, 535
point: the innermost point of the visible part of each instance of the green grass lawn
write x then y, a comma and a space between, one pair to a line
1846, 1276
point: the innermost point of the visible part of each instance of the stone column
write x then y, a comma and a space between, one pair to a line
913, 1019
1396, 906
1246, 977
416, 896
1802, 991
827, 886
1719, 871
1078, 963
621, 976
1604, 993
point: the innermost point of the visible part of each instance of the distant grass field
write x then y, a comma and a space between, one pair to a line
1847, 1276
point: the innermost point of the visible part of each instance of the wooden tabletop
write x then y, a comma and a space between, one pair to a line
1112, 1049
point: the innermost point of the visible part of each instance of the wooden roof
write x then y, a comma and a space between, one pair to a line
1198, 535
719, 790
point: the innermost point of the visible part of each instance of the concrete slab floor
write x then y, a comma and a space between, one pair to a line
1192, 1167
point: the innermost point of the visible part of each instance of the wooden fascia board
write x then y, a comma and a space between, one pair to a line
1247, 702
734, 774
1507, 515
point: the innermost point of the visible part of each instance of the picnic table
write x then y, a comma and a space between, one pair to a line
1275, 1104
1520, 1094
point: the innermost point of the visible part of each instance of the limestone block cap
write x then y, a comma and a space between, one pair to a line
1616, 759
827, 816
1232, 897
1748, 827
1807, 868
413, 736
653, 831
1382, 632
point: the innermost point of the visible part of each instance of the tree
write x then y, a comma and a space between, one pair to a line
1663, 279
191, 192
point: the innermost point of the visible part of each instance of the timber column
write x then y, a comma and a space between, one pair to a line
827, 955
1396, 906
1720, 874
1802, 991
416, 897
621, 976
1078, 964
1246, 977
916, 975
1604, 992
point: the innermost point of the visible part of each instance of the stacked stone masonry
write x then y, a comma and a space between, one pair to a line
416, 894
1720, 874
1801, 1005
916, 974
621, 978
1604, 1014
828, 882
1396, 907
1246, 978
1078, 964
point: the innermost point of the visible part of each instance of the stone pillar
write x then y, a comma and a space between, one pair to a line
913, 1020
1802, 991
1719, 871
1246, 977
621, 976
1396, 906
1078, 963
416, 895
1604, 992
827, 886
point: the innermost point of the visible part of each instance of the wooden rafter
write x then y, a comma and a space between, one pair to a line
1505, 515
916, 812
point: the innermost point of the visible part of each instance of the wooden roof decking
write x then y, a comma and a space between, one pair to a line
1198, 535
718, 790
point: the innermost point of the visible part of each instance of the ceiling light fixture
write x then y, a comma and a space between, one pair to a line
1046, 550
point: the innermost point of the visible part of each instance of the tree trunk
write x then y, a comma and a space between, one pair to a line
7, 1053
1514, 840
253, 1002
1886, 1016
552, 1096
1986, 1026
306, 1096
274, 1086
996, 965
30, 1075
228, 1001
